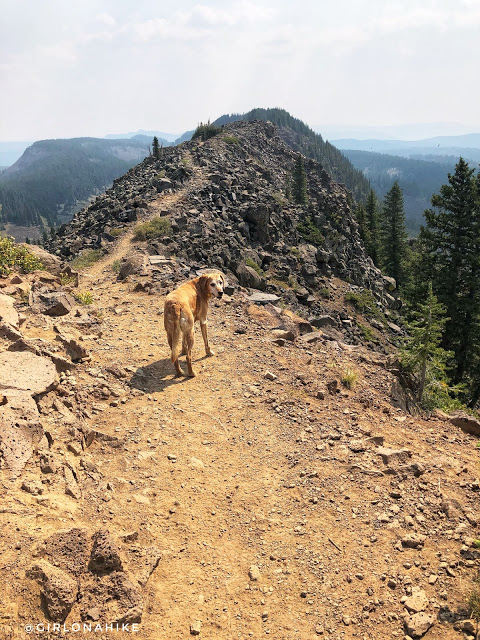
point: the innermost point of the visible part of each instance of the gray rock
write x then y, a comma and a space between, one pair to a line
258, 297
49, 262
249, 278
413, 540
54, 304
324, 321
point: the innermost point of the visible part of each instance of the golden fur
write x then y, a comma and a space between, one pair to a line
183, 307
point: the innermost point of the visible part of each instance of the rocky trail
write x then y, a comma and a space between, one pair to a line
262, 498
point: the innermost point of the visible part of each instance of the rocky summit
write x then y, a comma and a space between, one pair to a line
233, 213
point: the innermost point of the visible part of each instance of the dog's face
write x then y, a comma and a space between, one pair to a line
214, 283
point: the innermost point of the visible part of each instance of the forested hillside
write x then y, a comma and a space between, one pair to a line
418, 179
48, 183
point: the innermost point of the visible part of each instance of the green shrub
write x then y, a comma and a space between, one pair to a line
154, 228
116, 231
67, 279
295, 252
251, 263
206, 131
116, 266
367, 332
309, 230
13, 256
84, 297
87, 258
364, 302
231, 139
349, 379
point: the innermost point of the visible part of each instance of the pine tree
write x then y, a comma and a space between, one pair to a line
422, 353
361, 217
371, 219
393, 235
155, 148
451, 241
299, 181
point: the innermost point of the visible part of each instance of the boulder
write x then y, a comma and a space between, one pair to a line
249, 278
20, 430
59, 590
417, 625
26, 371
54, 304
50, 262
136, 263
466, 423
105, 556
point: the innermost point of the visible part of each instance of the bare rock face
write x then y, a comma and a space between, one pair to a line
26, 371
59, 590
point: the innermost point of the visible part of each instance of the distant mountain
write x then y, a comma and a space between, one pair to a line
161, 135
10, 152
418, 179
413, 131
467, 146
53, 178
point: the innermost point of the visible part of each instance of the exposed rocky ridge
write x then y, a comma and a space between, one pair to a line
235, 209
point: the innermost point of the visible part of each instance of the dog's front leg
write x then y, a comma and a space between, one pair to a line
203, 327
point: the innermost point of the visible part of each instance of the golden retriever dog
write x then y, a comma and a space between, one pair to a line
183, 307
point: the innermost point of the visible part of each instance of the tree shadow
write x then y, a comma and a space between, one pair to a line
157, 376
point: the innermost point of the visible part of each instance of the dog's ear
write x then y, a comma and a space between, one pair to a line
203, 282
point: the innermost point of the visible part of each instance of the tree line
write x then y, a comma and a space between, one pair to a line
439, 280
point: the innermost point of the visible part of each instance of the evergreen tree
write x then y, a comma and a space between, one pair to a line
422, 353
155, 148
361, 217
451, 241
299, 181
371, 221
393, 235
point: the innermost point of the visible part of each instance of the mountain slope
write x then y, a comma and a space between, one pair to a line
418, 179
236, 211
53, 176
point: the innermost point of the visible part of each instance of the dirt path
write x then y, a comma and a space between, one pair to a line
266, 496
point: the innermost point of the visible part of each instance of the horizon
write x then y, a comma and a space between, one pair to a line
76, 70
436, 129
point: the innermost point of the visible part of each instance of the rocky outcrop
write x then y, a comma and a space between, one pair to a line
235, 208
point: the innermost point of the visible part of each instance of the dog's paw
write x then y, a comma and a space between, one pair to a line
210, 353
192, 374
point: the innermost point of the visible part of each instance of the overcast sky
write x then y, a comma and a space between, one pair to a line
92, 67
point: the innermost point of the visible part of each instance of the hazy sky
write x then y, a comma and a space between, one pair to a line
92, 67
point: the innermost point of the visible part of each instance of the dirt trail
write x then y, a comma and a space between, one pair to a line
266, 497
